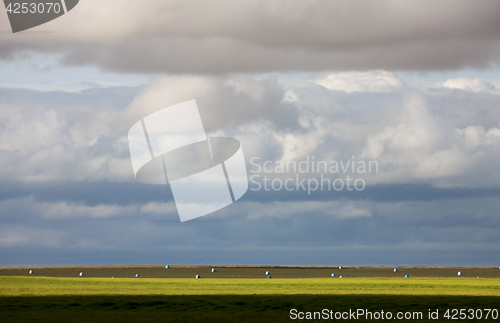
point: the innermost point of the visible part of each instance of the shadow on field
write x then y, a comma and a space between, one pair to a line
222, 308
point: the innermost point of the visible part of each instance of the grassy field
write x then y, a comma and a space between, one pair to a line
50, 286
46, 299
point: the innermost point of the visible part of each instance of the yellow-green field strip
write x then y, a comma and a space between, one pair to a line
49, 286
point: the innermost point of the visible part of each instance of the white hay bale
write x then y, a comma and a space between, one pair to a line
267, 272
213, 270
80, 274
459, 273
197, 276
167, 266
31, 272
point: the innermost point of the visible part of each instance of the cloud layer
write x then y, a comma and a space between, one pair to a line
68, 194
68, 186
417, 133
258, 36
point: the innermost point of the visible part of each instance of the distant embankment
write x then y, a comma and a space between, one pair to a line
182, 271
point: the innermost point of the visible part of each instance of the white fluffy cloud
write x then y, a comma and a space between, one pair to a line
417, 133
467, 84
428, 147
61, 138
373, 81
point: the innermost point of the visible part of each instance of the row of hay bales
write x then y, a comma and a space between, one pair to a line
267, 273
166, 267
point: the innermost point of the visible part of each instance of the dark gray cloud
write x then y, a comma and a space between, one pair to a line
260, 36
296, 233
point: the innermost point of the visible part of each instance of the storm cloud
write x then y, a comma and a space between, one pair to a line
261, 36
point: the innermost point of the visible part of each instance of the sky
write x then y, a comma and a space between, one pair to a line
412, 86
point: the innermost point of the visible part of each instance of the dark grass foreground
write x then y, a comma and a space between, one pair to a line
223, 308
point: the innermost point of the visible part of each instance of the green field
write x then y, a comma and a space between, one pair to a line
41, 299
51, 286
